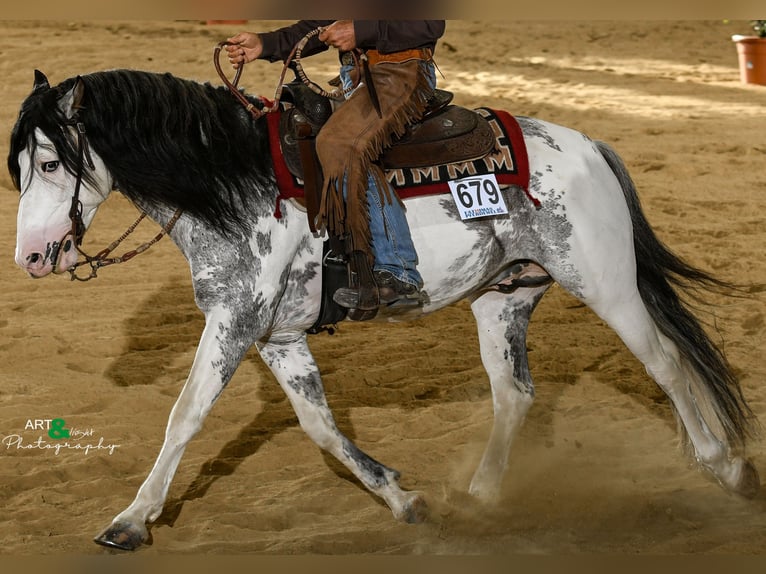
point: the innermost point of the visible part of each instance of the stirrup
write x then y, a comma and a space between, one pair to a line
391, 291
349, 298
363, 290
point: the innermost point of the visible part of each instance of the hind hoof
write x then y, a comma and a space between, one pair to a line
415, 511
123, 536
749, 483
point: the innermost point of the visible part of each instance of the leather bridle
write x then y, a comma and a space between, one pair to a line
100, 259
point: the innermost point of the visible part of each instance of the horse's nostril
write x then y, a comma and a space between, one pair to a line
67, 245
34, 258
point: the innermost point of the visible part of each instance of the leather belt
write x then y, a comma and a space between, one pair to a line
376, 57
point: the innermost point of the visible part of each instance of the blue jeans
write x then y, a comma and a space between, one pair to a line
391, 240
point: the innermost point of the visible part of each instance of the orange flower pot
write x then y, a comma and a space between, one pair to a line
751, 51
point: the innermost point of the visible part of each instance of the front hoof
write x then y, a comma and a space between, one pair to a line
123, 536
484, 491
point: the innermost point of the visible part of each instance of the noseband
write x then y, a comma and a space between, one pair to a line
100, 259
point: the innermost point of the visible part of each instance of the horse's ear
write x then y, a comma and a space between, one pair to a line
41, 82
72, 100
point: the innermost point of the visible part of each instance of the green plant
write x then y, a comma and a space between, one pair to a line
760, 27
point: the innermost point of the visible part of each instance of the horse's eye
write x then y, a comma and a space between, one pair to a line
50, 166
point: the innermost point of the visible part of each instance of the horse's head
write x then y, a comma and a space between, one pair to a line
47, 167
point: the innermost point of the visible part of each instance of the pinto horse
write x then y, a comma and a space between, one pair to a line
171, 144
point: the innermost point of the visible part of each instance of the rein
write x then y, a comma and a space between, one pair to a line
295, 59
101, 259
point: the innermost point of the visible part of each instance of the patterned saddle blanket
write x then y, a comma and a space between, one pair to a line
493, 145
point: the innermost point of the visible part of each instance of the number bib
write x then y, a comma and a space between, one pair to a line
478, 196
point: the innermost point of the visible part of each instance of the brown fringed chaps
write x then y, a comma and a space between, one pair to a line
354, 137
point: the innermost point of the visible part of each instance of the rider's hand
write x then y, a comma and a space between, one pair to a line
243, 48
340, 34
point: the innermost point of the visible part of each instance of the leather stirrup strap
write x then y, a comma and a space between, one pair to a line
312, 173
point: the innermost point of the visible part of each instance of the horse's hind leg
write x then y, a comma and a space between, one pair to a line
297, 373
626, 275
695, 406
698, 405
502, 321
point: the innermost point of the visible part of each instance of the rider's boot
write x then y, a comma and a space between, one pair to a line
391, 292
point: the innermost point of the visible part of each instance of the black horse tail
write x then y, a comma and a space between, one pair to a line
716, 389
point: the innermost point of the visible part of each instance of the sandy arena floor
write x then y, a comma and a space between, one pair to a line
596, 468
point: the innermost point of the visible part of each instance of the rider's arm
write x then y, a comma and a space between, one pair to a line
395, 35
278, 44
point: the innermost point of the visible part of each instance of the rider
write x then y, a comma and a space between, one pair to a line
356, 197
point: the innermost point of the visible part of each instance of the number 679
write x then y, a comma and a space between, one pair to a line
467, 190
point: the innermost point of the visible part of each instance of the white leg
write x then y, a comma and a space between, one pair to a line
502, 322
600, 268
623, 309
297, 373
215, 361
663, 363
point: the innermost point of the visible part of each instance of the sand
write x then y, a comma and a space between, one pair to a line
597, 467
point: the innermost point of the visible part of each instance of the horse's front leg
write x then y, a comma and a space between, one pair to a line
294, 367
219, 352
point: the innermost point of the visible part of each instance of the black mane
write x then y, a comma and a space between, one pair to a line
165, 140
